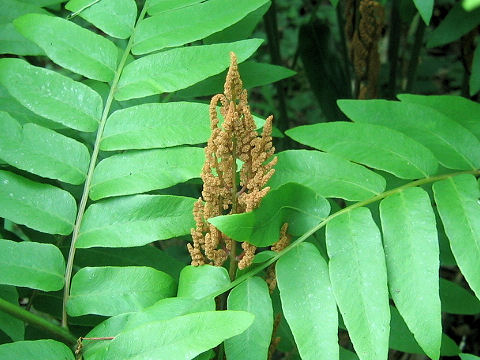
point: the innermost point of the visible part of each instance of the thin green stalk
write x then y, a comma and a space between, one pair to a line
93, 162
313, 230
39, 322
393, 45
414, 56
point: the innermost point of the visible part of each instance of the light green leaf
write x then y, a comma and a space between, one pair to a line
459, 109
411, 248
114, 17
298, 205
140, 171
115, 290
54, 208
469, 357
457, 300
252, 296
155, 7
372, 145
200, 281
188, 24
51, 95
457, 23
470, 5
179, 68
326, 174
173, 338
359, 280
136, 220
475, 75
38, 349
42, 151
33, 265
71, 46
10, 325
452, 144
425, 8
459, 209
308, 303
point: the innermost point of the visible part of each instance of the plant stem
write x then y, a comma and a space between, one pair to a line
393, 45
343, 46
313, 230
37, 321
413, 64
93, 162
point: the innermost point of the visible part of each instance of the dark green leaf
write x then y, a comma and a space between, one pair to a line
308, 303
475, 75
54, 209
71, 46
51, 95
10, 325
326, 174
457, 300
136, 220
359, 280
116, 290
200, 281
425, 8
298, 205
252, 296
140, 171
179, 68
38, 349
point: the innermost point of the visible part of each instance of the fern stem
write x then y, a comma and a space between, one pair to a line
313, 230
37, 321
414, 57
93, 162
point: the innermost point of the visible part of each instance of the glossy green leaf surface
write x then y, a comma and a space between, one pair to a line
328, 175
298, 205
51, 95
375, 146
308, 303
140, 171
126, 288
425, 8
200, 281
166, 71
457, 203
359, 280
187, 24
42, 151
114, 17
71, 46
411, 248
54, 208
457, 300
136, 220
173, 338
453, 145
33, 265
251, 296
38, 349
13, 327
158, 6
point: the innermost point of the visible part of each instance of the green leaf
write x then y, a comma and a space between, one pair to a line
411, 248
140, 171
136, 220
457, 108
42, 151
10, 325
308, 303
457, 23
33, 265
452, 144
115, 290
173, 338
188, 24
155, 7
114, 17
469, 357
359, 280
475, 75
252, 296
425, 8
372, 145
54, 208
326, 174
459, 209
457, 300
167, 71
38, 349
51, 95
470, 5
298, 205
71, 46
200, 281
